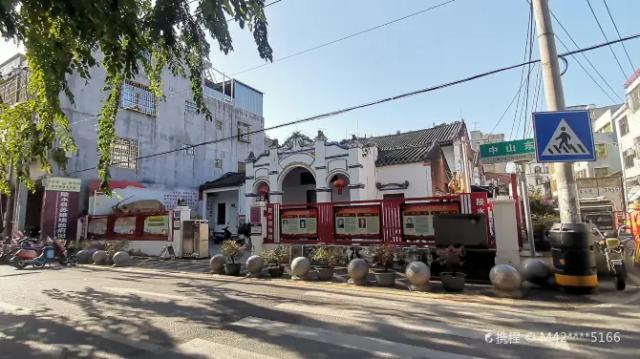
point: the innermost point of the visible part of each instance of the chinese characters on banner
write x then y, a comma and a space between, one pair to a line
299, 222
417, 219
357, 221
60, 208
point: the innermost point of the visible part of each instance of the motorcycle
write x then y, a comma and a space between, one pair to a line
613, 250
38, 257
221, 237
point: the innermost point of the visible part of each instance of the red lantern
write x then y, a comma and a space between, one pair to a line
263, 189
340, 183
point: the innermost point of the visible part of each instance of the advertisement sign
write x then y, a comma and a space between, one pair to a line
609, 188
62, 184
417, 219
299, 222
156, 225
97, 227
124, 225
363, 221
59, 214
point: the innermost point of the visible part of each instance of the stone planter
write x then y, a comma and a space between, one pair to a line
325, 273
385, 278
121, 259
232, 268
276, 272
84, 256
453, 281
358, 270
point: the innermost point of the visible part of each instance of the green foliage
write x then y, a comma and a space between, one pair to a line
112, 247
231, 249
275, 257
325, 256
383, 255
63, 37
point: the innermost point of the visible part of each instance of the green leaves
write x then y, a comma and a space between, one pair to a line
62, 37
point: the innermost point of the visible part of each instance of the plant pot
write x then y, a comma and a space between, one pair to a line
232, 268
453, 281
276, 272
385, 278
325, 273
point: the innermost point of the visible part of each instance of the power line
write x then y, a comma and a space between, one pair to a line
524, 57
376, 102
587, 72
526, 92
302, 52
615, 26
513, 99
595, 69
606, 39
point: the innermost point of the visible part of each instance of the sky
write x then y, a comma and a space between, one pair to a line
454, 41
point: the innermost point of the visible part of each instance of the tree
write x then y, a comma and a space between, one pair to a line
122, 36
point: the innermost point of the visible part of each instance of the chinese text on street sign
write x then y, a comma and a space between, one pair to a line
510, 151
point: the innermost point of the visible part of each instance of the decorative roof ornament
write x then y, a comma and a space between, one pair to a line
297, 141
321, 136
252, 157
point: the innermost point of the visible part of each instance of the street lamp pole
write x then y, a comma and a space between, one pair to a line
554, 96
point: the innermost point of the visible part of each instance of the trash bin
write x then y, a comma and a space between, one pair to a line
573, 257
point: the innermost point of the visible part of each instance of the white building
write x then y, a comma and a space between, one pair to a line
147, 125
412, 164
627, 120
607, 161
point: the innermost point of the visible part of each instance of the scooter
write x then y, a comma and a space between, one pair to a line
221, 237
51, 252
612, 248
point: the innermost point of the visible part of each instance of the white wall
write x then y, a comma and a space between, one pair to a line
230, 199
416, 173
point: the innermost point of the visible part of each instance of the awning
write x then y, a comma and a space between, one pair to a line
229, 179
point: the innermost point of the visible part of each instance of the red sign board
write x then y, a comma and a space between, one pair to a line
59, 218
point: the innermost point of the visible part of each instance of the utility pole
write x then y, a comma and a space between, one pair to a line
554, 96
524, 195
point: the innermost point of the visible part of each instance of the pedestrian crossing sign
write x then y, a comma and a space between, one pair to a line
563, 136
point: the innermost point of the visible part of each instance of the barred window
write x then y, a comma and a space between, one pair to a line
190, 107
243, 132
137, 97
219, 124
217, 163
124, 153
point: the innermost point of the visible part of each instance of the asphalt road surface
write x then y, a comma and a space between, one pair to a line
145, 313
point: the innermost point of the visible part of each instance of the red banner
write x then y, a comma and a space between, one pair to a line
59, 218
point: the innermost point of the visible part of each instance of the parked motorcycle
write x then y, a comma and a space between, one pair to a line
221, 237
38, 257
613, 250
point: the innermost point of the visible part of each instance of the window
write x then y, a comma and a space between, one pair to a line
601, 151
601, 172
243, 132
124, 153
242, 167
137, 97
190, 107
634, 99
217, 163
221, 218
624, 126
581, 174
628, 159
608, 128
218, 124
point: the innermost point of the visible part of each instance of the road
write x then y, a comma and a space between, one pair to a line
144, 313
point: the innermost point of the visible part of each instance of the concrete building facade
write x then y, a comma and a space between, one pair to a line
627, 120
147, 125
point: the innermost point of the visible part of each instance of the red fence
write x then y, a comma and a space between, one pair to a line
152, 226
394, 220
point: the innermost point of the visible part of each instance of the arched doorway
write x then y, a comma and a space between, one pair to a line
339, 184
298, 186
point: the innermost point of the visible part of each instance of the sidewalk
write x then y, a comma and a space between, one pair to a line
199, 269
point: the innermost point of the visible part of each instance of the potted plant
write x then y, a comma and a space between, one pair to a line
324, 258
274, 259
452, 259
232, 250
384, 257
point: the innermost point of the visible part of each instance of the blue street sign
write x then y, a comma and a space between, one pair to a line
563, 136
